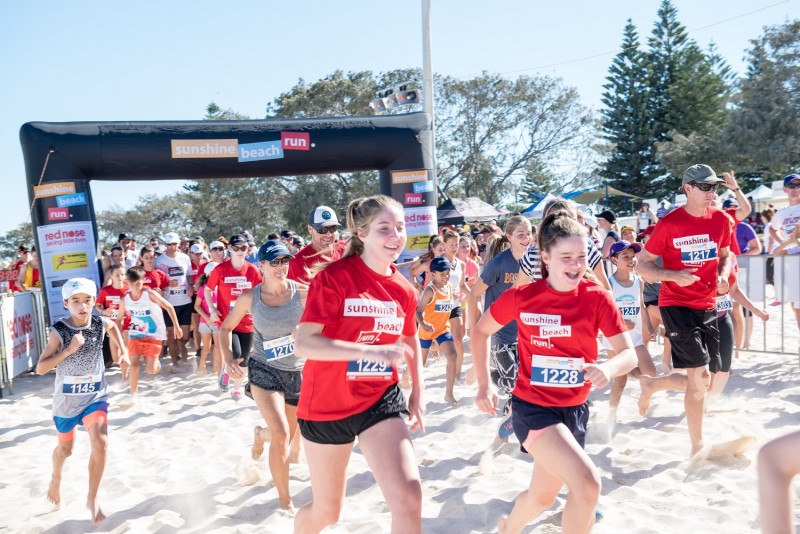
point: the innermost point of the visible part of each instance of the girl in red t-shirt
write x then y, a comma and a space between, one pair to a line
108, 305
359, 322
558, 318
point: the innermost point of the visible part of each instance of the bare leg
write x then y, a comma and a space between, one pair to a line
327, 465
184, 352
295, 448
205, 349
196, 336
738, 325
98, 435
778, 463
676, 381
60, 454
281, 420
457, 330
694, 402
566, 463
388, 450
136, 364
152, 366
450, 372
172, 344
216, 355
645, 365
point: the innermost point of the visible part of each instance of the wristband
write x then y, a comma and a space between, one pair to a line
736, 190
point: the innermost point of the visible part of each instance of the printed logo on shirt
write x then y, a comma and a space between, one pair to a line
509, 278
540, 319
369, 308
390, 325
368, 338
175, 271
244, 285
234, 280
539, 342
555, 331
235, 292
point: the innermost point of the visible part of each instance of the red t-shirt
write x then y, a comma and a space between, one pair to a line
12, 285
197, 269
109, 298
734, 243
156, 279
687, 242
353, 303
307, 257
557, 334
230, 283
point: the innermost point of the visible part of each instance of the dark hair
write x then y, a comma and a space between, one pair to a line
768, 214
117, 247
433, 242
556, 226
136, 273
272, 236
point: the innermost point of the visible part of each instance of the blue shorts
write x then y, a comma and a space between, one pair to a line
426, 343
66, 425
527, 416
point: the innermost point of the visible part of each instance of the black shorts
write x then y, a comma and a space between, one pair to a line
650, 303
725, 327
343, 431
455, 312
184, 314
694, 336
269, 378
527, 416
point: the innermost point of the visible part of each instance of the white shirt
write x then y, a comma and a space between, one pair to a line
177, 268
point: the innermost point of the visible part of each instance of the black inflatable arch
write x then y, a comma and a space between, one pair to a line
62, 158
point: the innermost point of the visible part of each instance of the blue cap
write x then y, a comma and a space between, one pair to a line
440, 264
619, 246
272, 249
791, 178
730, 203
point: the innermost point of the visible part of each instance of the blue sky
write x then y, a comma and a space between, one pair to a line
156, 60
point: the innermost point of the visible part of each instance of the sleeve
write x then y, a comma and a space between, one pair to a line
657, 241
410, 325
747, 231
213, 278
101, 298
610, 319
526, 263
504, 309
594, 256
491, 272
295, 268
323, 302
726, 235
163, 280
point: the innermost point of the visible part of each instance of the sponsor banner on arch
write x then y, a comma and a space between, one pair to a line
19, 338
420, 225
66, 250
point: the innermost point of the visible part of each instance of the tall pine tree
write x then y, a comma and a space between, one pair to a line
626, 123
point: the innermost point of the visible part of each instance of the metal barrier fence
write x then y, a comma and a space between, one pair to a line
23, 334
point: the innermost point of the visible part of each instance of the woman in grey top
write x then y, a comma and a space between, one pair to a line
275, 373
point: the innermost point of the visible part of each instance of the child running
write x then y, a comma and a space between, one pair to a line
209, 330
358, 323
148, 330
558, 319
75, 349
274, 370
433, 315
626, 289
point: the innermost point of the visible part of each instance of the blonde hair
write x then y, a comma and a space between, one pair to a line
360, 214
511, 225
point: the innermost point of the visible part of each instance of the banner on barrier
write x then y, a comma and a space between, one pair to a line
18, 333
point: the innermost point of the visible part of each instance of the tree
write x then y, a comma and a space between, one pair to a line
21, 235
150, 216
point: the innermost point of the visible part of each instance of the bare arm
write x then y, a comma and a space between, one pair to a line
600, 273
755, 247
312, 345
621, 363
161, 301
739, 296
486, 399
744, 205
53, 353
652, 273
416, 401
474, 302
115, 337
213, 313
424, 300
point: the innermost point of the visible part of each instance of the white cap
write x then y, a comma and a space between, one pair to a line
172, 238
197, 249
78, 285
323, 216
161, 249
209, 267
590, 220
215, 244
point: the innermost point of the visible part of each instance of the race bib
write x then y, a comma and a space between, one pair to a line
81, 385
177, 291
724, 303
367, 370
275, 349
698, 252
443, 306
556, 371
629, 311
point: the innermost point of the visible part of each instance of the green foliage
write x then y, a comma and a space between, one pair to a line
21, 235
151, 216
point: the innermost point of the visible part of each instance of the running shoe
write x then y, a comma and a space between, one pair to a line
236, 395
224, 379
506, 428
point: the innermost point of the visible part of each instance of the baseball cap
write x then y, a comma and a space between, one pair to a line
791, 178
646, 231
250, 239
125, 235
701, 174
626, 229
440, 264
322, 216
607, 215
590, 220
273, 249
237, 240
78, 285
286, 234
209, 267
298, 242
216, 244
619, 246
730, 203
161, 249
196, 249
172, 238
184, 238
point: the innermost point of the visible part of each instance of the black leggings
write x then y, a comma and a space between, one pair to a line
725, 327
241, 344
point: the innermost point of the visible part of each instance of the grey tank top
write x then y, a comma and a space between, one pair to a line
81, 377
273, 338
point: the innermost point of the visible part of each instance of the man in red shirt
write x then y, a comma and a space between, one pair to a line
322, 225
693, 242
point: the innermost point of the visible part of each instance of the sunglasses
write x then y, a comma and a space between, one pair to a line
280, 261
793, 185
240, 248
705, 188
327, 230
219, 249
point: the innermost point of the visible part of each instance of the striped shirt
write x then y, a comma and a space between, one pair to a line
530, 262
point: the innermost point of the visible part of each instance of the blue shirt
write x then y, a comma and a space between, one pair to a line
500, 274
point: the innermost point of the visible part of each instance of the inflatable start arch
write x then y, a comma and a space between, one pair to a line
61, 159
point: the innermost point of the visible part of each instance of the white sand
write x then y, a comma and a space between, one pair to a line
179, 461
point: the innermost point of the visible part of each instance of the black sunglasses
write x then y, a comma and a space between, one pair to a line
239, 248
705, 188
793, 185
280, 261
327, 230
218, 249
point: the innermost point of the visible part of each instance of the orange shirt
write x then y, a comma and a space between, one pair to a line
437, 312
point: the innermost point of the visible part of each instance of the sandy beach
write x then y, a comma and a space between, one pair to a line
179, 460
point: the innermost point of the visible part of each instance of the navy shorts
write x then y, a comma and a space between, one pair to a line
343, 431
694, 336
269, 378
426, 343
184, 314
527, 416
